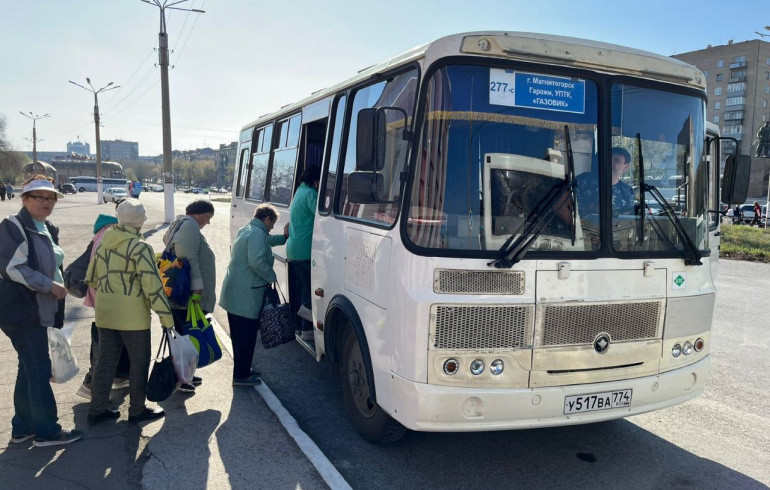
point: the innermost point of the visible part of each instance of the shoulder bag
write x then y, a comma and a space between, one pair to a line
275, 322
163, 379
75, 274
18, 303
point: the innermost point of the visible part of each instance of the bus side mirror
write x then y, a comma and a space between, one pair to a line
365, 187
370, 140
735, 182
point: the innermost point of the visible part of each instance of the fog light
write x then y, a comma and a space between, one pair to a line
687, 349
451, 366
477, 367
496, 367
699, 344
676, 350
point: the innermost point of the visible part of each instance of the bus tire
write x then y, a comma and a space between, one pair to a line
82, 189
369, 419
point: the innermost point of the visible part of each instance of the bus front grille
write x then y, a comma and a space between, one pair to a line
481, 326
567, 324
449, 281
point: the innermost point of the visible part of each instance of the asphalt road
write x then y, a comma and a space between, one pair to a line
719, 440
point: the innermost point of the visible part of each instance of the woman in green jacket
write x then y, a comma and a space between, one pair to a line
125, 276
184, 237
248, 275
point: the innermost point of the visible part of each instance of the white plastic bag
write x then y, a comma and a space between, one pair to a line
64, 366
184, 355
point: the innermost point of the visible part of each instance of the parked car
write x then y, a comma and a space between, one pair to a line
113, 194
747, 213
198, 190
157, 188
68, 189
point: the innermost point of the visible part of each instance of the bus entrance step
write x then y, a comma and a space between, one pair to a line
309, 345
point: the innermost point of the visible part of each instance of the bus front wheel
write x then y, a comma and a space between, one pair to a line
369, 419
82, 189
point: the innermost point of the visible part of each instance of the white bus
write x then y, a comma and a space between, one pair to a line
88, 183
481, 259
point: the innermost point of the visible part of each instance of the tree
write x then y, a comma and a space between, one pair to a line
11, 161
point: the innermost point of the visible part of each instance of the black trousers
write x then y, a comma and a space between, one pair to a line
299, 292
124, 364
243, 333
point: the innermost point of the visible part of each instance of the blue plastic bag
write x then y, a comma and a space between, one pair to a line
202, 335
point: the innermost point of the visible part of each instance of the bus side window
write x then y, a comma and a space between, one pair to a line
259, 162
284, 159
329, 178
399, 91
240, 176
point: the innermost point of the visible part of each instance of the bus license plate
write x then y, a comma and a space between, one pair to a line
597, 401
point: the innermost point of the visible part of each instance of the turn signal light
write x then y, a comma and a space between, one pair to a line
451, 366
699, 344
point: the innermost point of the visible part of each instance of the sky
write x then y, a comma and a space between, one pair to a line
244, 58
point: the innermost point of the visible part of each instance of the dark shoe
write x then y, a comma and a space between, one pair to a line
252, 380
63, 437
254, 372
148, 414
186, 388
104, 416
19, 438
197, 381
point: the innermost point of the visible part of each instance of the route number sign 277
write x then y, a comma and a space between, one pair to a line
536, 91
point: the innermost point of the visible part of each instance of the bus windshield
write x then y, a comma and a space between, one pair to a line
493, 146
670, 128
489, 157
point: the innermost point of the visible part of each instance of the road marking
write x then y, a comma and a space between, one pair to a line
325, 468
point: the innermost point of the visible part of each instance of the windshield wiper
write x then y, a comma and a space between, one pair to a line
512, 250
692, 254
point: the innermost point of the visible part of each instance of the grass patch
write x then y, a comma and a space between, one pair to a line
221, 199
743, 242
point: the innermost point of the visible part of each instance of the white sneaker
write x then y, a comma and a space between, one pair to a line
307, 335
84, 391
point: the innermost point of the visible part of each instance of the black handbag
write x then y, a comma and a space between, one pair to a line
163, 380
275, 322
18, 303
75, 274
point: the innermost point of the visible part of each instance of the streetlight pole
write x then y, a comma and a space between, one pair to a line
168, 176
109, 86
34, 118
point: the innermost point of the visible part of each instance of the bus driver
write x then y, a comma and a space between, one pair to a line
622, 194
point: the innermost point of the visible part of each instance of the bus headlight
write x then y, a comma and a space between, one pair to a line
687, 349
496, 367
699, 344
451, 366
477, 367
676, 350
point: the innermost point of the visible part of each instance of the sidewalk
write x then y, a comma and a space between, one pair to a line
220, 437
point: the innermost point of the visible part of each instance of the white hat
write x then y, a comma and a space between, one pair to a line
131, 213
41, 185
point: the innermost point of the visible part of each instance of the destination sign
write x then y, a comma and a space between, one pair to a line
535, 91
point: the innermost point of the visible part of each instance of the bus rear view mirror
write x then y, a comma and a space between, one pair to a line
370, 140
365, 187
735, 182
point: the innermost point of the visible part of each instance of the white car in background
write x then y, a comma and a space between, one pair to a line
114, 194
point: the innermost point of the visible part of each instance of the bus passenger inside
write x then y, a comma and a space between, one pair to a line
302, 216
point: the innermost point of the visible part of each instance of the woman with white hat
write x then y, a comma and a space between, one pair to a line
30, 256
124, 274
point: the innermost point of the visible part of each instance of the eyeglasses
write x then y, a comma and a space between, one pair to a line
46, 199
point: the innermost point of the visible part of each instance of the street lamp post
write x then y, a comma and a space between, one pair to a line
34, 118
90, 88
168, 178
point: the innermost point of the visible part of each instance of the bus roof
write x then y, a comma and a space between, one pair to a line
525, 46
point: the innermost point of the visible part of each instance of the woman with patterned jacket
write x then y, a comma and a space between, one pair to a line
125, 276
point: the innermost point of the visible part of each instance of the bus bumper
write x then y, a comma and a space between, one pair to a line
424, 407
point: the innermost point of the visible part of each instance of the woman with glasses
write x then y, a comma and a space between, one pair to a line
30, 255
